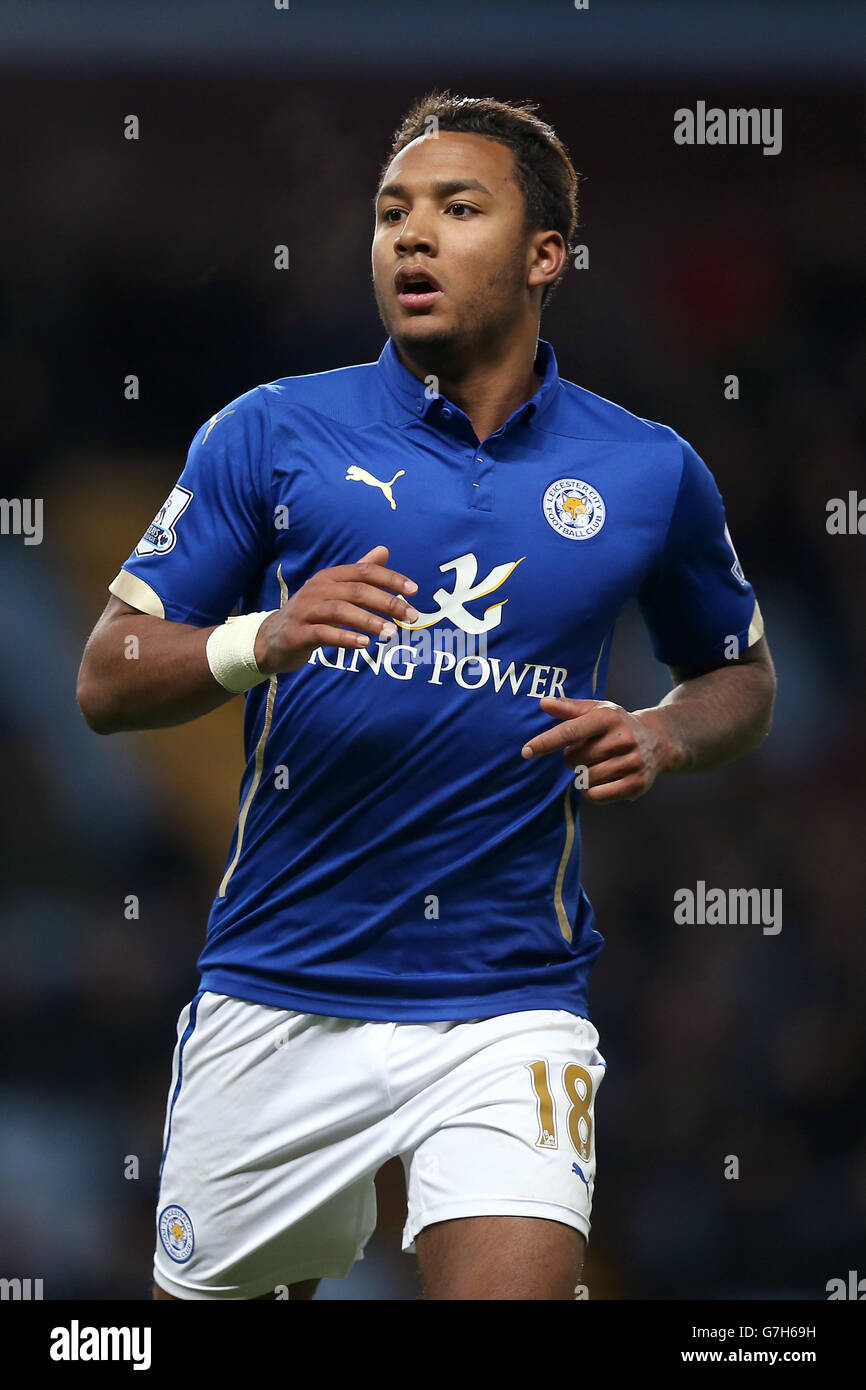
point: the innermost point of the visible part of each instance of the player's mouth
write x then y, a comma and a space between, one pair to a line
416, 287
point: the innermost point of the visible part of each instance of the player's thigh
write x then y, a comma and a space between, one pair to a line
501, 1171
304, 1290
500, 1257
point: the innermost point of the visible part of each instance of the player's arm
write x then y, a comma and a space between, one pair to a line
145, 665
709, 718
144, 672
713, 716
166, 649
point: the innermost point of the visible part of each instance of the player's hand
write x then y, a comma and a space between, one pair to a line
331, 602
622, 753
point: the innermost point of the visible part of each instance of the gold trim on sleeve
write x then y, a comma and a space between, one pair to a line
756, 627
132, 590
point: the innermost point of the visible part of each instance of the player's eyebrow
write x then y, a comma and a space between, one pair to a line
440, 190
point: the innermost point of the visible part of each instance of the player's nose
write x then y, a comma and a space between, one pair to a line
414, 234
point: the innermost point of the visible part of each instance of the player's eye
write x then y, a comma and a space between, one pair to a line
466, 206
386, 215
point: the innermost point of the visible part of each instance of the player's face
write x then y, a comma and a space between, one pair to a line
451, 206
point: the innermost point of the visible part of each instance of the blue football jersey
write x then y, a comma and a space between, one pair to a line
394, 855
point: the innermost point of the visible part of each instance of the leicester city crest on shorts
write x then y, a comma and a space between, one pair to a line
159, 538
573, 508
176, 1233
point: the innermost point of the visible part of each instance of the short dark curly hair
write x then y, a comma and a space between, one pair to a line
545, 173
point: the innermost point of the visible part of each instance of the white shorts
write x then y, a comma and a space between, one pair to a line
278, 1121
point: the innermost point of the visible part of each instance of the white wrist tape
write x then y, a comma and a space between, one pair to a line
231, 652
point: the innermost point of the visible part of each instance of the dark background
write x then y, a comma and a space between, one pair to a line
155, 257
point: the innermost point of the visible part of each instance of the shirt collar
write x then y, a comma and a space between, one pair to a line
421, 401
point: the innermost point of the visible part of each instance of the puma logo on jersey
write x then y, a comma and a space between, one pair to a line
214, 420
360, 475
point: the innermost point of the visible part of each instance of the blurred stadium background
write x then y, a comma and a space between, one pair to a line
155, 257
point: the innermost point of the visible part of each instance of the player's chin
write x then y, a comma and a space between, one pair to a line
423, 328
431, 320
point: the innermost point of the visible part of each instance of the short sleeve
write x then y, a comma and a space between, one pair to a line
696, 598
206, 545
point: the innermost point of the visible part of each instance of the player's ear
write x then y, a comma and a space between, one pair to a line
548, 257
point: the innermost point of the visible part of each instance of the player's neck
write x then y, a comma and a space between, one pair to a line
487, 385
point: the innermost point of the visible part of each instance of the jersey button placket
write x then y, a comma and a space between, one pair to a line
481, 488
